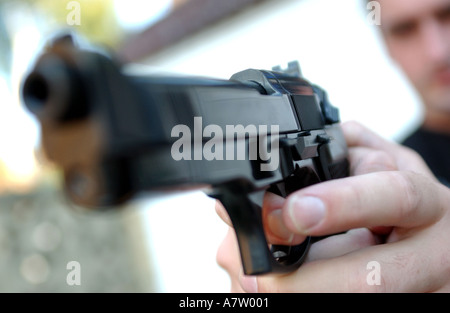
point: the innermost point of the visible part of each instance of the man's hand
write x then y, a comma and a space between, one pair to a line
397, 212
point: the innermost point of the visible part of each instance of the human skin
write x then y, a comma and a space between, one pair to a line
397, 214
417, 37
395, 209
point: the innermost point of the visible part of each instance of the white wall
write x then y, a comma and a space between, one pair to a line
337, 49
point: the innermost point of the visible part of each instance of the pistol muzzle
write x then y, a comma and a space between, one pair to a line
54, 90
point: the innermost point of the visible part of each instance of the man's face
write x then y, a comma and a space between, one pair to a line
417, 35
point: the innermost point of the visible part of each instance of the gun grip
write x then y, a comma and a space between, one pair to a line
246, 217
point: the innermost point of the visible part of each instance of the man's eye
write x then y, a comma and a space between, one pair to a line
403, 30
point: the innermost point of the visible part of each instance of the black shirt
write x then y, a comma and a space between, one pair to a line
434, 149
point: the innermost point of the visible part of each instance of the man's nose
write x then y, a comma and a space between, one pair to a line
436, 41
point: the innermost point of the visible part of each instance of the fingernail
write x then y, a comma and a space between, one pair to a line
305, 212
277, 227
248, 283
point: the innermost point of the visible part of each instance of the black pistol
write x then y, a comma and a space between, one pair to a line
115, 135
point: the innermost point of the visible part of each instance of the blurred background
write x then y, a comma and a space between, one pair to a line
167, 243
